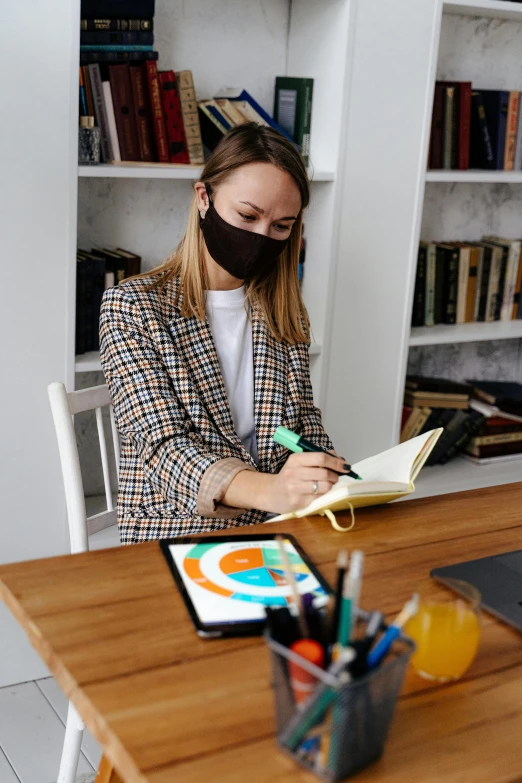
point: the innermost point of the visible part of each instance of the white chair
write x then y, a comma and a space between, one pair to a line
63, 406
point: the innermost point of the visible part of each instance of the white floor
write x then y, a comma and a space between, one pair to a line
32, 720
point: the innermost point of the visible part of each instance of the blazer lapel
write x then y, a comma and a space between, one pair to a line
270, 388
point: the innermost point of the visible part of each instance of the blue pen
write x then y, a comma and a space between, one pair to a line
382, 647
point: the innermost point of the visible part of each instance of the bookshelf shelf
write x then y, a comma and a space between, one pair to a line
465, 333
461, 474
129, 170
496, 9
507, 177
90, 362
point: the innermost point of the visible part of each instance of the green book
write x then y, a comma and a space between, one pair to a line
293, 110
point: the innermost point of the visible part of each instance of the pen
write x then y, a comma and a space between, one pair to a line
289, 576
296, 443
355, 575
362, 647
382, 647
342, 564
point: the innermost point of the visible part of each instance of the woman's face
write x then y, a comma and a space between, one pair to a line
258, 197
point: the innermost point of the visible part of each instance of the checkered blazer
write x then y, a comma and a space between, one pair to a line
173, 415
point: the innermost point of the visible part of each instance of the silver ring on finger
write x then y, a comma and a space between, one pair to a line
316, 487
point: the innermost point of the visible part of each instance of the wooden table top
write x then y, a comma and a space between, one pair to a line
168, 706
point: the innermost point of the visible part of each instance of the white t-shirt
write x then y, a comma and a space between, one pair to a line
231, 329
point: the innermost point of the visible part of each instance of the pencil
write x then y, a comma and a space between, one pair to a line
289, 576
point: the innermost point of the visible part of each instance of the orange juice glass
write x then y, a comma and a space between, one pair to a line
447, 633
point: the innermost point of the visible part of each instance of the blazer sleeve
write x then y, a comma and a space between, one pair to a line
148, 412
310, 423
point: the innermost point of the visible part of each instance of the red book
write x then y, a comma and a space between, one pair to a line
464, 124
178, 150
142, 112
157, 111
124, 111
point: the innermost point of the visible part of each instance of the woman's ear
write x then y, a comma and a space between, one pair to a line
201, 198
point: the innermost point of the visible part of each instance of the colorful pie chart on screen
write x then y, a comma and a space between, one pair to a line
248, 572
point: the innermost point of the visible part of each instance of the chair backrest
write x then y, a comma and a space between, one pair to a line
63, 406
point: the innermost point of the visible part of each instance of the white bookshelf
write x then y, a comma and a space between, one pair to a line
130, 170
383, 199
465, 333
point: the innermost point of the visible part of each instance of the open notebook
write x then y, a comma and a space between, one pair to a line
385, 477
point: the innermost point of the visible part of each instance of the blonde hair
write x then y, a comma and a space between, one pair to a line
275, 296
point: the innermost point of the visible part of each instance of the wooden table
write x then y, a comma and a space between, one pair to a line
167, 706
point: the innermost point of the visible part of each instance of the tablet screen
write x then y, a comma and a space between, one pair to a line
233, 581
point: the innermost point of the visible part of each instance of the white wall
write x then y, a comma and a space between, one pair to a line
38, 57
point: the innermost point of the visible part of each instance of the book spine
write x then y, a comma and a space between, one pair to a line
451, 286
431, 265
518, 285
293, 110
502, 127
157, 112
501, 437
305, 122
462, 287
437, 127
482, 292
499, 297
470, 426
189, 110
212, 131
494, 277
440, 276
518, 144
464, 125
88, 91
116, 57
419, 295
495, 450
245, 96
101, 112
511, 280
115, 48
142, 112
511, 130
124, 111
125, 25
111, 119
111, 37
176, 139
471, 290
135, 9
481, 137
449, 119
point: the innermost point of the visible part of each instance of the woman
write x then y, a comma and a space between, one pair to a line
206, 355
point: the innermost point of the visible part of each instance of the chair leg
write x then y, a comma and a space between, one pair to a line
107, 773
71, 746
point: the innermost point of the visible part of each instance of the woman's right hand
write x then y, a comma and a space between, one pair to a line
293, 487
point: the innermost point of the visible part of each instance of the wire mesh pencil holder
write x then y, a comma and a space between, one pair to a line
346, 722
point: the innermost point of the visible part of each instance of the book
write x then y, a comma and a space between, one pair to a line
449, 153
518, 286
189, 111
437, 126
497, 261
431, 266
511, 130
483, 281
176, 140
385, 477
461, 430
111, 120
481, 150
101, 112
108, 37
492, 411
497, 392
462, 287
156, 104
508, 276
450, 289
94, 9
518, 143
471, 290
496, 108
230, 110
115, 47
435, 393
440, 284
497, 275
496, 439
124, 111
246, 101
142, 112
415, 423
439, 385
419, 294
117, 24
293, 110
116, 57
133, 261
464, 125
212, 127
495, 450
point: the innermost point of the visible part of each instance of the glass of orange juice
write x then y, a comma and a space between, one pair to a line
446, 632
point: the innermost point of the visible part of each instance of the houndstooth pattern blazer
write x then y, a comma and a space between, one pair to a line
173, 415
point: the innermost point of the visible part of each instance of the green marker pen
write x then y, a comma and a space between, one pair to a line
296, 443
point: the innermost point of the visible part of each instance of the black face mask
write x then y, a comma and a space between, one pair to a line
243, 254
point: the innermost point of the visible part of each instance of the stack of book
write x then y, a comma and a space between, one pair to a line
478, 129
499, 439
96, 271
430, 403
462, 282
116, 31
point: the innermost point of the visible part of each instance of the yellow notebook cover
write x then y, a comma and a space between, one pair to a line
385, 477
